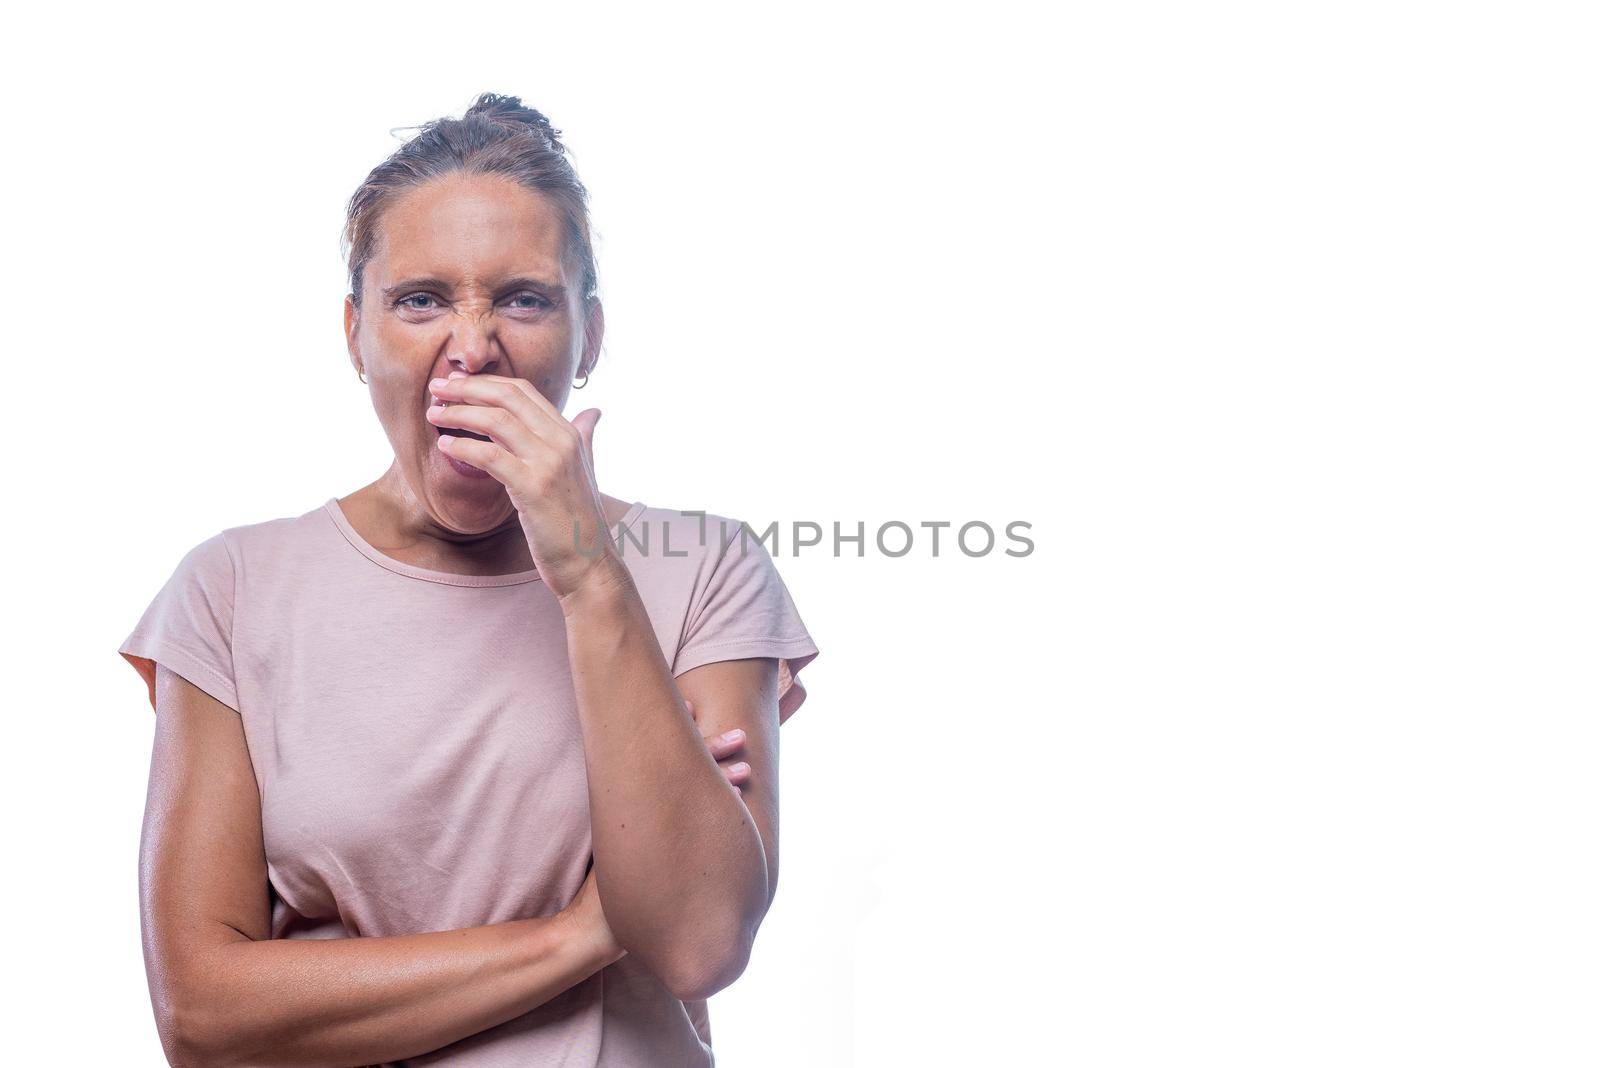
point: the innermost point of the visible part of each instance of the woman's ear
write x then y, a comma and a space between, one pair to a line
594, 329
352, 326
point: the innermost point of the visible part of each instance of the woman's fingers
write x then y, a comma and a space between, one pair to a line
725, 748
515, 396
502, 426
725, 744
722, 747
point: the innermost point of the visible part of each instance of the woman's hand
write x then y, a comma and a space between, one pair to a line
724, 747
546, 465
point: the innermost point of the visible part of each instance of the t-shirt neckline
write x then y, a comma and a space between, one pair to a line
342, 521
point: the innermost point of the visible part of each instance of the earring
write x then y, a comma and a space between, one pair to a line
585, 381
363, 376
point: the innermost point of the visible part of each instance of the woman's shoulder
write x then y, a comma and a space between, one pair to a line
261, 542
277, 530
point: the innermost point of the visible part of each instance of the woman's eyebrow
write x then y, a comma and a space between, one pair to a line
395, 290
554, 289
528, 281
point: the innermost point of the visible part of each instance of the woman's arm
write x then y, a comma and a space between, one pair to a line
681, 860
225, 992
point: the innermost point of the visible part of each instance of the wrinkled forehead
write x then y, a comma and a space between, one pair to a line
475, 227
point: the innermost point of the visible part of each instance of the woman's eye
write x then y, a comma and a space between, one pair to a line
427, 302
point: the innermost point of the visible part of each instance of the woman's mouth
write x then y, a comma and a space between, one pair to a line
455, 431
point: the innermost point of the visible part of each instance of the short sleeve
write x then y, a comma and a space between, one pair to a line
741, 608
189, 625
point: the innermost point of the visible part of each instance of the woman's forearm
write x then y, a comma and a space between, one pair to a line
345, 1001
676, 852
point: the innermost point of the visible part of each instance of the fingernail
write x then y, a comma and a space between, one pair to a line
732, 736
741, 766
437, 382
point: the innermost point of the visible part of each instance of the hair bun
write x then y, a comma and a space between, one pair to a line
511, 111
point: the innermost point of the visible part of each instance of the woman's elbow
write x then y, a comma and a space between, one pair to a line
195, 1030
186, 1038
711, 967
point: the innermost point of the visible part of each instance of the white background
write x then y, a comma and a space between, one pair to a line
1277, 322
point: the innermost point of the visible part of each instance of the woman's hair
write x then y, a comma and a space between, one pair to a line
497, 135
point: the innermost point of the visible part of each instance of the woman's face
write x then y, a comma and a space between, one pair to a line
468, 274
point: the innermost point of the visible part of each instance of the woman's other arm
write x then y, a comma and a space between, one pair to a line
226, 993
685, 862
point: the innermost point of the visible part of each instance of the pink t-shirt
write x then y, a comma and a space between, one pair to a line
416, 742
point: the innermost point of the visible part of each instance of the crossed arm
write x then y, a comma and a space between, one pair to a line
225, 992
686, 867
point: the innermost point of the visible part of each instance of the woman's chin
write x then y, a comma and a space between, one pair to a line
464, 503
468, 497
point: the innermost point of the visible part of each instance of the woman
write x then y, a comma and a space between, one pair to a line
440, 773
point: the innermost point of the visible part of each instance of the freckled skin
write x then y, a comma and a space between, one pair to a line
475, 233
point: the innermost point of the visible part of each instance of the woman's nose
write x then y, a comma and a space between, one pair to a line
474, 349
474, 363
